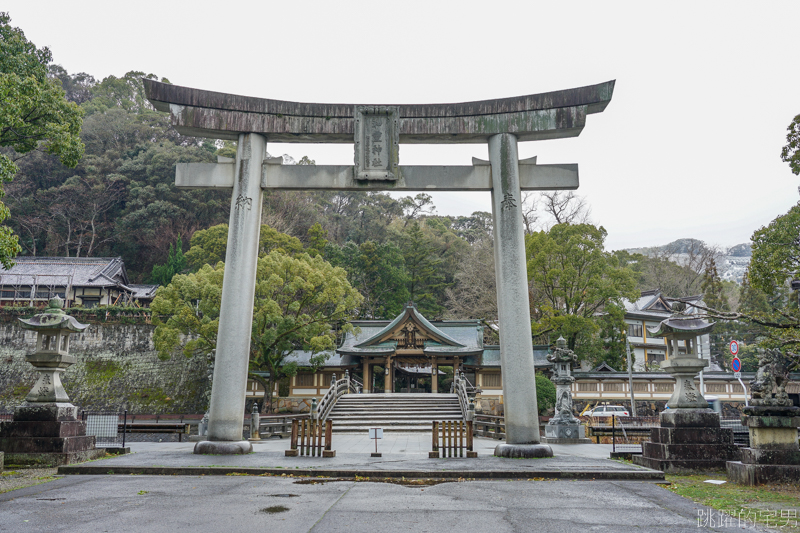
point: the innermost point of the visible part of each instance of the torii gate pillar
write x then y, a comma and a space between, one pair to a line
376, 132
516, 345
235, 314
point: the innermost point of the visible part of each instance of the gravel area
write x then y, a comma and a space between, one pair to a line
12, 479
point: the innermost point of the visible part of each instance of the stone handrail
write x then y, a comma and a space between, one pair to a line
336, 390
460, 388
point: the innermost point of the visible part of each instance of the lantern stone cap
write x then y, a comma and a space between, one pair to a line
677, 324
562, 354
53, 317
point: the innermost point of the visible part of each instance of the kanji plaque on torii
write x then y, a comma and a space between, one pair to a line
376, 132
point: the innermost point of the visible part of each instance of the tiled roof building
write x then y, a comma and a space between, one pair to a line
81, 281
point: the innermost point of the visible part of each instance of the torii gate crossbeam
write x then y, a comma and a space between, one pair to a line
376, 132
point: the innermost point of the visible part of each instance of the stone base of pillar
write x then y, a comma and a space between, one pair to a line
570, 432
223, 447
43, 434
523, 451
774, 455
689, 440
565, 434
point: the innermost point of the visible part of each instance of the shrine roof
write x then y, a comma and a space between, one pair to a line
75, 271
550, 115
490, 358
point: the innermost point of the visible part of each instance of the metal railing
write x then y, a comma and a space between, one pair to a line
627, 433
106, 427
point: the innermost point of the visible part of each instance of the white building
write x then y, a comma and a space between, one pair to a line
647, 312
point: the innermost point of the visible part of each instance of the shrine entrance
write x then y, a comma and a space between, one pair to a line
376, 133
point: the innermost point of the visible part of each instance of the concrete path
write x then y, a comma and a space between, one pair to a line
155, 504
403, 455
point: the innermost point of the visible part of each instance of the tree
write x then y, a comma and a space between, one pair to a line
423, 264
791, 152
573, 280
545, 393
768, 305
378, 272
299, 304
208, 246
474, 294
564, 207
176, 263
776, 252
34, 113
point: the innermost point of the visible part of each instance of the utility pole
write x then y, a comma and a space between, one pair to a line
630, 376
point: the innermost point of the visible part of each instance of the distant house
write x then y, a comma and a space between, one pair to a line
647, 312
80, 281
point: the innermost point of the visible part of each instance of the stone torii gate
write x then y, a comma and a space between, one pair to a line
376, 132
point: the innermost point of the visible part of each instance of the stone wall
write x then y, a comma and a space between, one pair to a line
118, 368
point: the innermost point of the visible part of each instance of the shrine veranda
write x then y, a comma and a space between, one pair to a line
376, 131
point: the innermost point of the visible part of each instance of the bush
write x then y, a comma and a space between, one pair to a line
545, 393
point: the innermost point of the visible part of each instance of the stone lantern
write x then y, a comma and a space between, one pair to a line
690, 438
45, 429
51, 358
683, 366
563, 427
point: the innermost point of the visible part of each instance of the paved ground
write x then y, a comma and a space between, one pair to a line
232, 504
403, 455
283, 502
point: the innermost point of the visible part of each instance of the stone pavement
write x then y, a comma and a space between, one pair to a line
403, 455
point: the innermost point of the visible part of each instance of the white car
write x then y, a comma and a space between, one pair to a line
608, 410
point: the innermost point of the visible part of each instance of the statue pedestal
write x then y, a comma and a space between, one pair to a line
574, 433
774, 454
43, 434
689, 440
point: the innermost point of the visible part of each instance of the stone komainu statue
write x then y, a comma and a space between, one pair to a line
768, 389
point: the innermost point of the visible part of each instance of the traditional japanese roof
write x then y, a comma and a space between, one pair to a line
143, 292
653, 305
490, 358
374, 337
75, 271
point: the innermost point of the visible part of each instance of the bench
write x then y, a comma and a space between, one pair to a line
160, 427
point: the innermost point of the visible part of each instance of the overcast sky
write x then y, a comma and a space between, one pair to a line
689, 146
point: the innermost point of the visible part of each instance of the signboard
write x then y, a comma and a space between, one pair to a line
377, 136
736, 364
737, 375
375, 433
734, 348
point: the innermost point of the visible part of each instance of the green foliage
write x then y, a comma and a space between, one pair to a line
545, 393
776, 252
573, 281
208, 246
426, 282
33, 113
378, 272
791, 152
298, 303
176, 263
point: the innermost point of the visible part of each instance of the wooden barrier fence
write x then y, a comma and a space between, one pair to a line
311, 438
453, 438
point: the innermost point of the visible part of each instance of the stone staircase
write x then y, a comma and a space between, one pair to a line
356, 413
